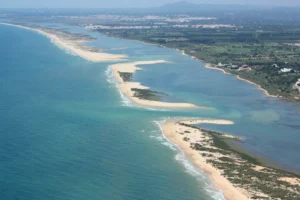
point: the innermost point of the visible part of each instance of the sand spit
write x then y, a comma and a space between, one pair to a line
172, 129
126, 87
236, 174
74, 44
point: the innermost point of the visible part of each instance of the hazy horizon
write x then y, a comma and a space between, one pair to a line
133, 3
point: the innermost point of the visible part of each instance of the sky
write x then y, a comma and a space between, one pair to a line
128, 3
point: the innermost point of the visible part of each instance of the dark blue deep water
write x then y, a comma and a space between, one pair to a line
66, 132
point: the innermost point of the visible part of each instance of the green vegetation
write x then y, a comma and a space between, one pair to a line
259, 45
275, 83
240, 169
147, 94
126, 76
142, 93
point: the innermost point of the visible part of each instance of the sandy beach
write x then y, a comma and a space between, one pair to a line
74, 44
171, 130
239, 177
258, 86
126, 87
177, 130
209, 66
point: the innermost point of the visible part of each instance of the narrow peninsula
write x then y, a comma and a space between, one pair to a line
74, 43
238, 175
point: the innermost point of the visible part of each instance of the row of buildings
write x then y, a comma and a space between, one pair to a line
248, 68
239, 68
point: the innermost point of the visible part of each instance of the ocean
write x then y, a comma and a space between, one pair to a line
67, 132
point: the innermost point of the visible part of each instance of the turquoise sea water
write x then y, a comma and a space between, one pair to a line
67, 133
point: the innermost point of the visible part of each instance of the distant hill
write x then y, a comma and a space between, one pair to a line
185, 6
181, 5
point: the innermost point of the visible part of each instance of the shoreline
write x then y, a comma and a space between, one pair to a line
209, 66
170, 127
230, 191
258, 87
126, 87
75, 45
233, 173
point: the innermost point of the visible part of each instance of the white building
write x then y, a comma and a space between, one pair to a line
286, 70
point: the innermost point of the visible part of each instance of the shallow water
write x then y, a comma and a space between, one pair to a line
67, 133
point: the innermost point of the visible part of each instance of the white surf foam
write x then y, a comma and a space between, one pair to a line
61, 48
124, 100
205, 181
113, 83
54, 43
157, 109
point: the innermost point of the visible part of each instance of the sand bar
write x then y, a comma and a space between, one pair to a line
126, 87
171, 130
238, 175
75, 46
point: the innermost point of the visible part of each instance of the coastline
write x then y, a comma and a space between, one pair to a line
221, 182
74, 45
169, 130
127, 87
209, 66
238, 176
258, 87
